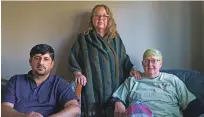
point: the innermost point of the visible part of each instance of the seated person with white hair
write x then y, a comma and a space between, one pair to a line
163, 94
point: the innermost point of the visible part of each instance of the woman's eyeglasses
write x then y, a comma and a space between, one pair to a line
98, 16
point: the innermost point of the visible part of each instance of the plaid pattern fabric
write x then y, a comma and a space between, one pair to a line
138, 109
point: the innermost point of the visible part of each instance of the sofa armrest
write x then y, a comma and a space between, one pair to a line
77, 88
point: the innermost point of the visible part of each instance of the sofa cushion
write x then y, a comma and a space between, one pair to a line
194, 109
193, 80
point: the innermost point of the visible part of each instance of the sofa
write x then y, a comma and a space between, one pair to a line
194, 80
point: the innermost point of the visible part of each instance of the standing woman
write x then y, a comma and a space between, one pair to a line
99, 62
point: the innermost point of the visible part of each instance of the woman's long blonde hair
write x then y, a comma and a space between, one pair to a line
111, 29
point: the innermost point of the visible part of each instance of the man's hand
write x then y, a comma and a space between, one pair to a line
119, 110
80, 78
33, 114
136, 74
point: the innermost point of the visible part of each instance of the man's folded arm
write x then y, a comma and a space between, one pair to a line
8, 111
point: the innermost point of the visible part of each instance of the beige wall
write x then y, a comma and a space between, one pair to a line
172, 27
203, 36
196, 35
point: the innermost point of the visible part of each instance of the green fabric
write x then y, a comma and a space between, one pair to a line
104, 62
165, 95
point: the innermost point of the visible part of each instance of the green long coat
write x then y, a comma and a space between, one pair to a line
104, 62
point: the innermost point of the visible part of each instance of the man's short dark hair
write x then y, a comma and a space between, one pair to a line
42, 49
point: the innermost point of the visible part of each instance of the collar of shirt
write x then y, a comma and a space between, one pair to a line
33, 84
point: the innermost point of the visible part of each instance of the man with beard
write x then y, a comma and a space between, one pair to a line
38, 93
